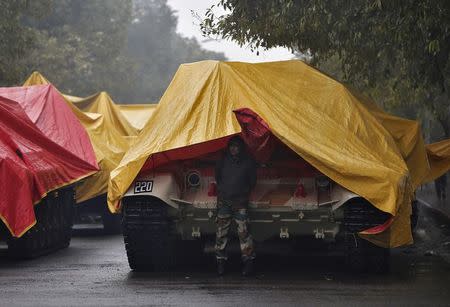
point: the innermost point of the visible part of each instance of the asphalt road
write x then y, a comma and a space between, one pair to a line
94, 271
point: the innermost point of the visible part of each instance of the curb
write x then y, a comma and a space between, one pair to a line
434, 209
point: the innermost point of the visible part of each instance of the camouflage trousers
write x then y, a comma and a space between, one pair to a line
225, 215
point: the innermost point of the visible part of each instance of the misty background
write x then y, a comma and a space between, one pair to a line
129, 48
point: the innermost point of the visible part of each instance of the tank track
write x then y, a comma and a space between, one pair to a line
53, 229
360, 215
148, 234
362, 255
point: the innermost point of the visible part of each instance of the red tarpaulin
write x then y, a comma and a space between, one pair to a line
256, 133
31, 164
48, 110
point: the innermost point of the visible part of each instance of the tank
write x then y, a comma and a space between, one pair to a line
175, 205
44, 152
95, 211
53, 228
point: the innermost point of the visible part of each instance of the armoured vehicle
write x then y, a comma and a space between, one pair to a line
94, 211
44, 152
166, 186
176, 202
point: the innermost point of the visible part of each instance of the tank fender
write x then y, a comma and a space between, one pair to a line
343, 195
159, 185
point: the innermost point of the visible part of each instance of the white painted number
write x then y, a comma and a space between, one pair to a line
143, 186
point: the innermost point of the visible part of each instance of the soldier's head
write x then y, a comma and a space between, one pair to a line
236, 146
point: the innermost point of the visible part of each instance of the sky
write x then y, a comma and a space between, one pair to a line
188, 25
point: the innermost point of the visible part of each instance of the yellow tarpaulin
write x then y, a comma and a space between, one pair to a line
319, 118
439, 157
103, 104
109, 145
407, 135
137, 114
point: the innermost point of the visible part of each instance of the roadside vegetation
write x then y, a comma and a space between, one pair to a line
398, 52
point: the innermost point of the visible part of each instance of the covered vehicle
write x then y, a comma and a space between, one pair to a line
110, 144
137, 114
46, 108
103, 104
439, 157
330, 162
120, 134
38, 173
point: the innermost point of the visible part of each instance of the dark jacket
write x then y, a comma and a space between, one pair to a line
235, 178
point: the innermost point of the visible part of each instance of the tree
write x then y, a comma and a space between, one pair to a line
128, 48
154, 44
16, 38
400, 45
80, 45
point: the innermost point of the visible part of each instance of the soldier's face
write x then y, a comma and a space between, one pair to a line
234, 149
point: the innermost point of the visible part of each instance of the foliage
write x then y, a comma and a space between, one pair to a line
127, 48
79, 45
159, 50
401, 47
15, 37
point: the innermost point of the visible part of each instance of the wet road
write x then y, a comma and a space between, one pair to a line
94, 271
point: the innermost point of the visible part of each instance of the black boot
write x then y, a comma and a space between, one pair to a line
248, 269
221, 263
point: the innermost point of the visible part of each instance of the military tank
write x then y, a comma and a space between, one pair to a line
176, 204
94, 211
292, 117
44, 153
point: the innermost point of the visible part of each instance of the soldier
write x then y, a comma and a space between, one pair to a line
235, 177
441, 187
